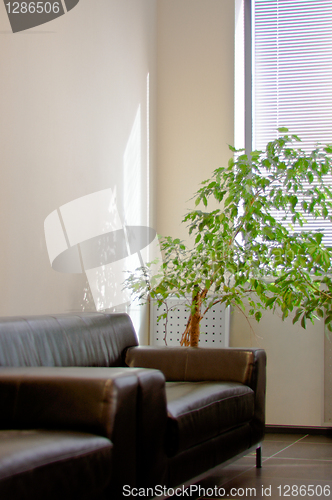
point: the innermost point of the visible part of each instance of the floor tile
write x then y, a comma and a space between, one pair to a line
318, 439
312, 451
295, 469
286, 438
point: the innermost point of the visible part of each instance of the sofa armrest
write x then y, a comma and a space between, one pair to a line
89, 399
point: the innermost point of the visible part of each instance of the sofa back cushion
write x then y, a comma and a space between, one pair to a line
77, 339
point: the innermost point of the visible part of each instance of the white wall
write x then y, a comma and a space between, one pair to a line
295, 366
71, 91
195, 101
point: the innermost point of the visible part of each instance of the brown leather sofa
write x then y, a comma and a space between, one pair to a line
85, 410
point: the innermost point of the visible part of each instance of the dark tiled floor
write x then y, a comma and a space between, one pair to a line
294, 466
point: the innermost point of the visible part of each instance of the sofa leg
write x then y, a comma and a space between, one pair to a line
259, 458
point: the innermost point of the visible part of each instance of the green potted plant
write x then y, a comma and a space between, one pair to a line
255, 246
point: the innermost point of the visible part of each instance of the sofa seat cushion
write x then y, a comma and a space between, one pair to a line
198, 411
53, 464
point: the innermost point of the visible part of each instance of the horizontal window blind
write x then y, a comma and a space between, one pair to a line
292, 75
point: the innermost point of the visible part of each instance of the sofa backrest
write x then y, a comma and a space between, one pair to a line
77, 339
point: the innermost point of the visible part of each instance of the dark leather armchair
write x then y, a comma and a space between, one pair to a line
211, 409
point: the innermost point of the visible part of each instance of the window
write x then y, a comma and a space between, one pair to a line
292, 70
288, 74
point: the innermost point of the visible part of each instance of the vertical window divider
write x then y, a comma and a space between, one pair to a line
248, 75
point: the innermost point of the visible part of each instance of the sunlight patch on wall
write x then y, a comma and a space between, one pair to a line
132, 175
87, 235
